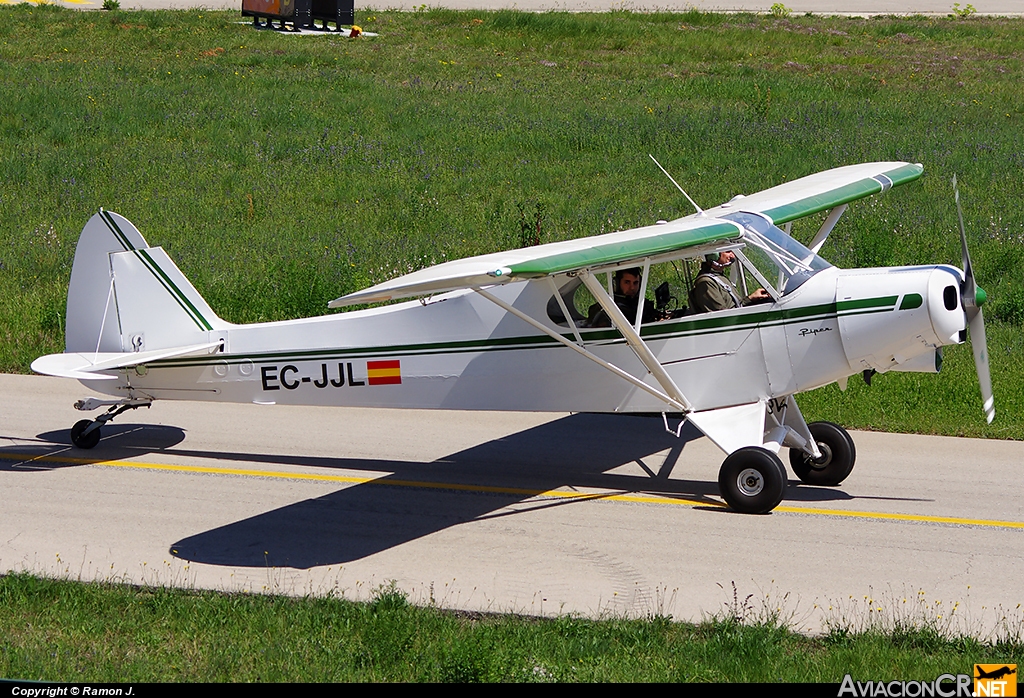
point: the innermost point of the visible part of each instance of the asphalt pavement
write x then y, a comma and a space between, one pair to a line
502, 511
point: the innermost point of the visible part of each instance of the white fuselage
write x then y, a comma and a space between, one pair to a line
461, 351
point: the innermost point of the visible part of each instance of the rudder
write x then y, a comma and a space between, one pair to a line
125, 296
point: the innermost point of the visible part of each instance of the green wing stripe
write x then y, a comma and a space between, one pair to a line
902, 175
627, 249
841, 195
175, 292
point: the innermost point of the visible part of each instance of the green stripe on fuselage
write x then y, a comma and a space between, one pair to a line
681, 328
886, 302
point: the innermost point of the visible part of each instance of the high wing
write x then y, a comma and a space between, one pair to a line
832, 189
822, 191
552, 258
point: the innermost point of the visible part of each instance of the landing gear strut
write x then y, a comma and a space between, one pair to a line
86, 433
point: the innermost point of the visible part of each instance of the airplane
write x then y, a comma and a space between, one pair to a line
505, 331
997, 674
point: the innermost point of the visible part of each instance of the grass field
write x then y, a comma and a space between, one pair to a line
67, 631
281, 172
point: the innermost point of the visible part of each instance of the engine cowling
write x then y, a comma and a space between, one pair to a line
898, 317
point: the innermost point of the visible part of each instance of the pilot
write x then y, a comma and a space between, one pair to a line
712, 290
626, 286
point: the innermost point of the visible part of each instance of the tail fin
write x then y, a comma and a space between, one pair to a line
126, 296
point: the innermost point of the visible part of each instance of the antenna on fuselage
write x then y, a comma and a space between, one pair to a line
700, 211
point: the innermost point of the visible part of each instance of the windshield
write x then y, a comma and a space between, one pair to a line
780, 258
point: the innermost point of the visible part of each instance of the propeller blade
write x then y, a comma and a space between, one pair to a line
972, 299
968, 289
976, 323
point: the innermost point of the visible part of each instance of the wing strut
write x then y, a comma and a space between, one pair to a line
565, 311
676, 405
826, 228
643, 293
638, 345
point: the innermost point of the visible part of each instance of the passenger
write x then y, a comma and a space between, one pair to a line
626, 293
712, 290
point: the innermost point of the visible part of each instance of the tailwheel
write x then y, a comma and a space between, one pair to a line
82, 438
838, 455
86, 433
752, 480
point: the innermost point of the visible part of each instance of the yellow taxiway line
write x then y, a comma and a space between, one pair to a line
556, 494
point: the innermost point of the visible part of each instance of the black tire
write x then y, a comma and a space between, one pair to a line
752, 480
838, 454
88, 440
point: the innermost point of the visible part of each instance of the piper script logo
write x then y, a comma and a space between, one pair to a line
995, 680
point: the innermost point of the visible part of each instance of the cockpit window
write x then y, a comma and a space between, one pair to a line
783, 261
662, 302
569, 291
767, 257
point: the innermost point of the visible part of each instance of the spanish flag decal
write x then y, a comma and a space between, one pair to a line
384, 372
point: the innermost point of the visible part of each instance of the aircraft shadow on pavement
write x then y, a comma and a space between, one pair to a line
361, 520
52, 450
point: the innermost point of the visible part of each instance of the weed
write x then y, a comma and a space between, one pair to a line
766, 608
530, 224
962, 12
762, 103
388, 598
111, 5
779, 10
466, 662
739, 611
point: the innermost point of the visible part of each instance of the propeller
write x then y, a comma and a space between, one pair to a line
972, 297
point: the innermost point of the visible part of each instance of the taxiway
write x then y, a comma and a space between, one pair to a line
531, 513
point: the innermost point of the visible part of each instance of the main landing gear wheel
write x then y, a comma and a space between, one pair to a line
752, 480
838, 455
82, 440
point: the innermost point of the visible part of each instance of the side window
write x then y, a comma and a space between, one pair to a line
737, 280
569, 291
666, 298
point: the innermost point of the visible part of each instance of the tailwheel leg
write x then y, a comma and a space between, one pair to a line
86, 433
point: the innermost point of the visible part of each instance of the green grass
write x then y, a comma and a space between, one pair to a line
69, 631
281, 172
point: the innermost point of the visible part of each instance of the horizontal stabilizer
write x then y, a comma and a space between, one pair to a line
88, 365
